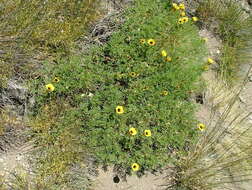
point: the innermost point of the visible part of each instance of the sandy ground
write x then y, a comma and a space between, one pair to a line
107, 181
15, 160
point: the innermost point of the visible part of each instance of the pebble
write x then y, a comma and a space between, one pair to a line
18, 158
250, 119
245, 6
250, 78
90, 95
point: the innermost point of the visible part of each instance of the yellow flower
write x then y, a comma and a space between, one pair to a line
147, 133
132, 74
165, 93
180, 21
132, 131
181, 6
182, 13
205, 39
195, 19
56, 79
146, 88
142, 41
175, 6
163, 53
185, 19
151, 42
135, 167
210, 61
168, 58
119, 110
201, 126
50, 87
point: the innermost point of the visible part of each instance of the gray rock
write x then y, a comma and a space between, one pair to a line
15, 97
13, 93
16, 90
178, 1
245, 6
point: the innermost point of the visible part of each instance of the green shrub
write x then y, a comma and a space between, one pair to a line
153, 91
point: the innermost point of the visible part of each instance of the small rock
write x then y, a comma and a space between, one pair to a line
242, 99
250, 119
250, 78
90, 94
1, 174
178, 1
245, 5
18, 158
17, 91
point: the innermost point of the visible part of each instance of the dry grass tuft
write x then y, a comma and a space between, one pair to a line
222, 156
227, 20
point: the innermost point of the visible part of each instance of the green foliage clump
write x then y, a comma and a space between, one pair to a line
153, 89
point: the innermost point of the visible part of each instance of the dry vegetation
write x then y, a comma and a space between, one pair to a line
229, 22
32, 31
222, 155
